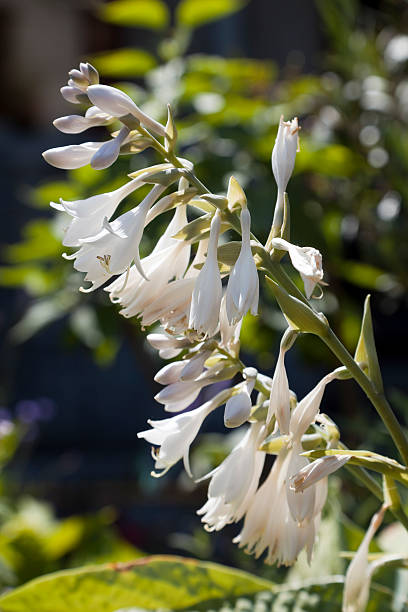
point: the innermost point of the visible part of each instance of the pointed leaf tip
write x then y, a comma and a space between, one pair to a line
366, 352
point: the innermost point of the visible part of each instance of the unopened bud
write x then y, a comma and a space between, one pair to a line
109, 151
237, 410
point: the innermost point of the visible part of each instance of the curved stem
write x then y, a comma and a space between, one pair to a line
377, 399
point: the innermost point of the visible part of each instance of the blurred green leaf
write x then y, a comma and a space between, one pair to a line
152, 14
124, 63
152, 582
41, 196
39, 242
195, 13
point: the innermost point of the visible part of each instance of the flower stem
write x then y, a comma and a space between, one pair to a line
377, 399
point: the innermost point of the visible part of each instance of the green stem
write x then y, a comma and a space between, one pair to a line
377, 399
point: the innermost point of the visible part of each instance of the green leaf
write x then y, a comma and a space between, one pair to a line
195, 13
152, 14
153, 582
39, 242
124, 63
196, 229
366, 351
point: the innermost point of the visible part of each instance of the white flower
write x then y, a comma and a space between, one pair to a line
308, 408
168, 346
179, 395
170, 373
284, 153
301, 504
75, 124
239, 406
268, 524
118, 104
306, 260
89, 214
279, 401
234, 481
172, 307
207, 294
229, 333
168, 260
116, 246
359, 572
175, 436
243, 285
316, 470
71, 157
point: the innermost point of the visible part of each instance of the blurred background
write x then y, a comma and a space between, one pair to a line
76, 379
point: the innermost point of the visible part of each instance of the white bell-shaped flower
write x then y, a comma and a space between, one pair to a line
89, 214
234, 482
301, 504
308, 408
230, 333
306, 260
239, 406
284, 153
279, 401
359, 572
243, 285
207, 294
172, 307
175, 436
116, 246
168, 260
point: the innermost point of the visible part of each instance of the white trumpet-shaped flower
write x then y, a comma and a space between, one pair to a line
89, 214
284, 153
306, 260
243, 285
116, 246
168, 260
230, 333
269, 525
172, 307
207, 294
308, 408
118, 104
279, 401
175, 436
359, 572
75, 124
234, 482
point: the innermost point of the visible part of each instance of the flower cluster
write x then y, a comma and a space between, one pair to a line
198, 288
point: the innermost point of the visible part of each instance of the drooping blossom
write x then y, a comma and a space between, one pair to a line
306, 260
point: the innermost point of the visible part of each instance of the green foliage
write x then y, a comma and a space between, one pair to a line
151, 583
173, 583
124, 63
195, 13
152, 14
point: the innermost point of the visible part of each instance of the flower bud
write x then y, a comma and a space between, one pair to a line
72, 156
117, 103
284, 152
109, 151
237, 410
